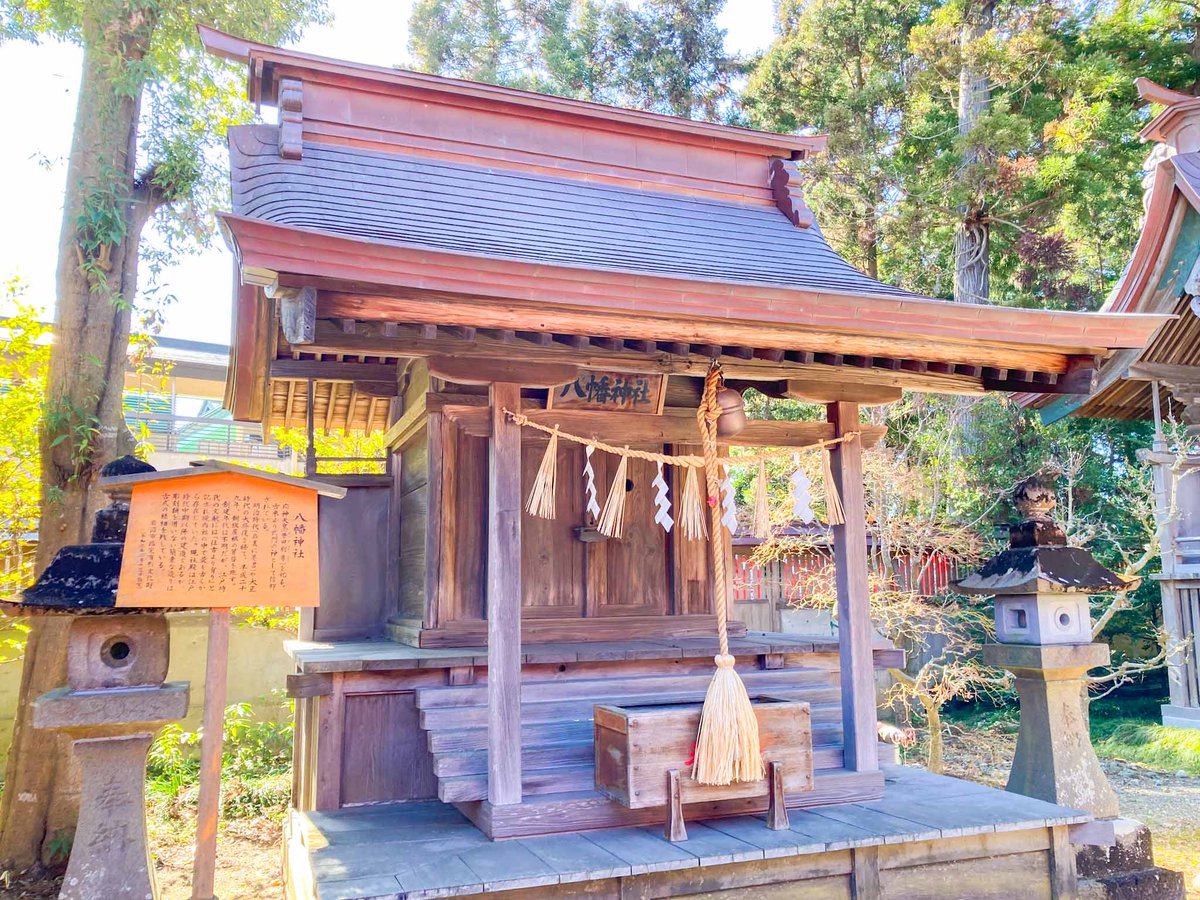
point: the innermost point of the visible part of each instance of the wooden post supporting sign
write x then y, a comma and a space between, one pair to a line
219, 536
208, 807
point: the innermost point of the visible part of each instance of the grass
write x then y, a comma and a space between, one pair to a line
1149, 744
1124, 728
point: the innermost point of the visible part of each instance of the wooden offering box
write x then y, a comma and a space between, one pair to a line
637, 745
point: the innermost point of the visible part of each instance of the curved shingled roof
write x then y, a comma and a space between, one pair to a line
506, 213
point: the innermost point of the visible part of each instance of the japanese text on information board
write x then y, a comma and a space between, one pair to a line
221, 540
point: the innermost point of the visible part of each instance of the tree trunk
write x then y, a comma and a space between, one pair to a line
971, 237
868, 242
933, 718
83, 425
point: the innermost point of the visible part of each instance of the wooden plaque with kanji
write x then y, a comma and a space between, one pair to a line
611, 391
220, 539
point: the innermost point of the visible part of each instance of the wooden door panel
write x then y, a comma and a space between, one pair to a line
636, 565
552, 573
692, 559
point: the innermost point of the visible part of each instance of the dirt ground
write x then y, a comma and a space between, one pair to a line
1168, 802
248, 861
248, 864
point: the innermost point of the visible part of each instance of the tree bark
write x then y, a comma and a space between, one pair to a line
83, 426
933, 717
868, 241
971, 237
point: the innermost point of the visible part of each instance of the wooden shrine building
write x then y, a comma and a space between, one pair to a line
1161, 382
419, 255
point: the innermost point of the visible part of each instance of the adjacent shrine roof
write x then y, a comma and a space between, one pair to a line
404, 203
1162, 275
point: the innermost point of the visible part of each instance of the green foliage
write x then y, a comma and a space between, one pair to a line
1054, 159
255, 767
60, 845
283, 618
24, 353
839, 66
364, 453
660, 55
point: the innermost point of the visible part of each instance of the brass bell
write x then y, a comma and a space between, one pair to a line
733, 412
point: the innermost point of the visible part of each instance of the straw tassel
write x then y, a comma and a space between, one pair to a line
544, 491
834, 514
762, 509
612, 517
727, 745
691, 508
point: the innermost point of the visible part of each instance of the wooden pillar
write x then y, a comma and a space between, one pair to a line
853, 602
310, 453
504, 598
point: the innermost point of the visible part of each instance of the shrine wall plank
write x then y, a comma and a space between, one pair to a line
637, 564
414, 505
466, 531
354, 547
647, 573
691, 587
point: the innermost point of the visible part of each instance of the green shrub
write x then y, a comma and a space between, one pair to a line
255, 767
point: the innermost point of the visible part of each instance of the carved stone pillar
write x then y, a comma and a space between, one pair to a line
1055, 760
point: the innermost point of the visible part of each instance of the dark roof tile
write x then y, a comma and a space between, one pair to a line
508, 214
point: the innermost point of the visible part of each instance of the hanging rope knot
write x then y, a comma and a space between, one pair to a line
724, 661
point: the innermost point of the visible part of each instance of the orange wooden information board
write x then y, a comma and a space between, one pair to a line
224, 539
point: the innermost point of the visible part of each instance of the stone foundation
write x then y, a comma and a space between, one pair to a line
1126, 870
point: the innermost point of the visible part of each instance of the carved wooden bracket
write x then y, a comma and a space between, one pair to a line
787, 186
291, 118
298, 313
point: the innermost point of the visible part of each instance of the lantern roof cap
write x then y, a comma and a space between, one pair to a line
1038, 560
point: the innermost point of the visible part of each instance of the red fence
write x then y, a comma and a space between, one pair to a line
788, 577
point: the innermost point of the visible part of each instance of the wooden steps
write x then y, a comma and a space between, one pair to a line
580, 709
633, 685
556, 724
550, 780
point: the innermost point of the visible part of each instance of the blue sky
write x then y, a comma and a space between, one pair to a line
33, 158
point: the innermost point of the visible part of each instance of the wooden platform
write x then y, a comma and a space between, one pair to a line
929, 836
386, 655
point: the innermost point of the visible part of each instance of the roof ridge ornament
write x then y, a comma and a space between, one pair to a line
787, 185
1177, 127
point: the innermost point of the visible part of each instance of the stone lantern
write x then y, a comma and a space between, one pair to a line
1044, 634
115, 700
